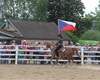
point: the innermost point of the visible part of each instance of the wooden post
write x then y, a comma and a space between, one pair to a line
16, 56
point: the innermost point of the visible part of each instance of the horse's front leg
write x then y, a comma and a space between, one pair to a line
68, 62
51, 61
58, 61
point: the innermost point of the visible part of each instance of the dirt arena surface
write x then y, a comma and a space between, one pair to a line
48, 72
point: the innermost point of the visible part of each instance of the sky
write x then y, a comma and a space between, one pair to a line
90, 5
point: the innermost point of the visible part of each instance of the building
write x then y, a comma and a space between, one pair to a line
30, 30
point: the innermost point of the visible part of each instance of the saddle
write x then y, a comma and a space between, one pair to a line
62, 49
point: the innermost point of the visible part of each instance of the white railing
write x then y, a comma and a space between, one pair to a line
16, 59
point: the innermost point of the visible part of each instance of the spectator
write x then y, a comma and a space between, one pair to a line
4, 43
66, 44
92, 54
31, 52
79, 49
40, 45
71, 44
13, 43
36, 53
4, 52
24, 47
1, 47
8, 52
86, 48
98, 54
19, 56
24, 43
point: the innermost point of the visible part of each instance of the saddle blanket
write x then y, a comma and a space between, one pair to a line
63, 50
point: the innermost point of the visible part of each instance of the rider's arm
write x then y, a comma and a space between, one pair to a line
60, 41
57, 42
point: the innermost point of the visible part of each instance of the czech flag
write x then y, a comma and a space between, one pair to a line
66, 25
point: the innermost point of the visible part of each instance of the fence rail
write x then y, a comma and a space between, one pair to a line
16, 55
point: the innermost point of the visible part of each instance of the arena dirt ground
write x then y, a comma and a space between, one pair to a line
48, 72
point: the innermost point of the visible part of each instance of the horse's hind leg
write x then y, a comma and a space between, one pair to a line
57, 61
72, 60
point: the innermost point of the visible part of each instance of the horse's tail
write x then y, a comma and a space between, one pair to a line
78, 53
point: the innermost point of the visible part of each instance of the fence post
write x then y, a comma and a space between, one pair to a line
16, 56
82, 54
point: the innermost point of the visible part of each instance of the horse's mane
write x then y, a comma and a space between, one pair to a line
48, 44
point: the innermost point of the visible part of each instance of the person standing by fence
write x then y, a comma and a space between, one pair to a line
79, 49
0, 51
30, 47
24, 47
19, 56
1, 47
92, 54
13, 43
4, 52
71, 44
86, 48
98, 54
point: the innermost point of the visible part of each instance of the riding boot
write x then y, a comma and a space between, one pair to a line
57, 54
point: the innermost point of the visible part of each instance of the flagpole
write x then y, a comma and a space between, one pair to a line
58, 27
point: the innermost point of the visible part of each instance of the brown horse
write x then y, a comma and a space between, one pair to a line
68, 53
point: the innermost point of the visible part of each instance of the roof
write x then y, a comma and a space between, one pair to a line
8, 33
35, 30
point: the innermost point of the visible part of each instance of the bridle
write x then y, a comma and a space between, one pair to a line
49, 45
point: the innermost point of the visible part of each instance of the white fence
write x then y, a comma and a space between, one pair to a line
86, 55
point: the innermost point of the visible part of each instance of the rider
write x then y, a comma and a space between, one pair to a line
59, 44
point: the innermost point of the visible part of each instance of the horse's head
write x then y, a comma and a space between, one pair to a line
49, 45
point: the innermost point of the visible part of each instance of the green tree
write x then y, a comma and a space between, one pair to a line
1, 22
96, 20
91, 35
41, 10
83, 24
26, 9
69, 10
73, 37
65, 9
94, 17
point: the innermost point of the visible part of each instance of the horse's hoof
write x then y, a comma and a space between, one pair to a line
66, 66
52, 64
59, 64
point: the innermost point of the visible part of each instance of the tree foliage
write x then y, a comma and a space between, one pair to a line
91, 35
26, 9
94, 17
73, 37
83, 24
97, 18
69, 10
49, 10
65, 9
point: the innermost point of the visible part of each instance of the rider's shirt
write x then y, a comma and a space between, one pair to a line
60, 42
